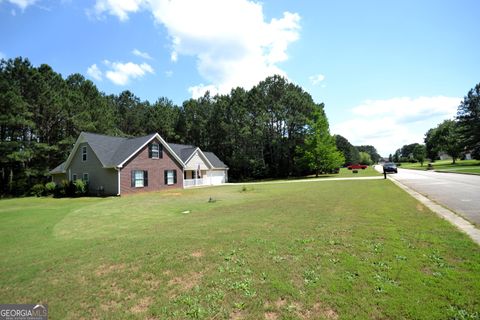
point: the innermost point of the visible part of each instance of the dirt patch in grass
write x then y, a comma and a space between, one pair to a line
236, 315
277, 304
142, 305
115, 289
111, 305
318, 309
280, 303
420, 207
197, 254
106, 269
271, 316
186, 282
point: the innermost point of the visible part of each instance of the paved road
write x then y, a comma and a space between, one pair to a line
458, 192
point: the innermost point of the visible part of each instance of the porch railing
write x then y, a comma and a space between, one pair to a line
195, 182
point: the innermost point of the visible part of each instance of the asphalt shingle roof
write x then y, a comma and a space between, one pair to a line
214, 160
183, 151
59, 169
127, 148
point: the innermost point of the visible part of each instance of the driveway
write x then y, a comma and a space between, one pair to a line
458, 192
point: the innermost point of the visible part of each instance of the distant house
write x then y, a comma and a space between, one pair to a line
444, 156
116, 165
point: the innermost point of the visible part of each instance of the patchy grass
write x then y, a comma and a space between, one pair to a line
344, 173
460, 166
368, 172
357, 249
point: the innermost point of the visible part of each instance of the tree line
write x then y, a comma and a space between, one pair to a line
273, 130
456, 137
365, 154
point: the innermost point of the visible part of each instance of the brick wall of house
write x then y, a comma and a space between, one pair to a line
155, 168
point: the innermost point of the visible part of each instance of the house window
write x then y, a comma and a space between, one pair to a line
84, 153
74, 177
170, 177
155, 151
139, 178
85, 177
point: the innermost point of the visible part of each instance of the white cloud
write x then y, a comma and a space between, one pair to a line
3, 55
168, 73
316, 79
22, 4
122, 73
391, 123
174, 56
201, 89
141, 54
232, 42
94, 72
119, 8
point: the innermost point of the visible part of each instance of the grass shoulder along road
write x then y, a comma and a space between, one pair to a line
360, 249
343, 173
460, 166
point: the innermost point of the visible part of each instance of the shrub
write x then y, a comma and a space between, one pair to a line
70, 189
59, 190
80, 187
50, 188
38, 190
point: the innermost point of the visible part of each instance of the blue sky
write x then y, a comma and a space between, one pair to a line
387, 71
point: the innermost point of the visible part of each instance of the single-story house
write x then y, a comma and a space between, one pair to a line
117, 165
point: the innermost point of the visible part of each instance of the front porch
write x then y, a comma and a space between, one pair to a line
194, 178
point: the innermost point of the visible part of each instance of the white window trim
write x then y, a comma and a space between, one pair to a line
135, 178
157, 151
74, 176
172, 177
84, 153
85, 174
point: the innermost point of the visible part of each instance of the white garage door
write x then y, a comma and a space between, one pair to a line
216, 177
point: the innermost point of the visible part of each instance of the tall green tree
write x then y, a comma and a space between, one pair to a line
365, 158
371, 151
319, 150
468, 116
420, 153
448, 138
347, 149
431, 144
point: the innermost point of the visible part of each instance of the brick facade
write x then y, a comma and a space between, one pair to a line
155, 168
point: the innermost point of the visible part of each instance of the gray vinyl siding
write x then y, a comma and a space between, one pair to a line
58, 178
97, 175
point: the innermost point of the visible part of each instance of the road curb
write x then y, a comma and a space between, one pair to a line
443, 171
469, 173
462, 224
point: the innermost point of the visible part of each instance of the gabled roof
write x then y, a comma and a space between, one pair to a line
106, 147
214, 160
59, 169
128, 148
115, 151
184, 151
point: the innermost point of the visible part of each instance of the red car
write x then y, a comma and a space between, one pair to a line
357, 166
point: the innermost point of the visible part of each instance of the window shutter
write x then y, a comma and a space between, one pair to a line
174, 176
160, 151
133, 178
166, 176
150, 150
145, 178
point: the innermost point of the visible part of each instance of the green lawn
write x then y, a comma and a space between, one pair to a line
462, 166
344, 173
359, 249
